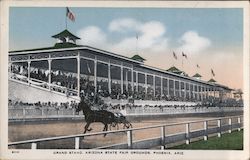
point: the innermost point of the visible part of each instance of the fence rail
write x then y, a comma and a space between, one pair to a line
26, 113
163, 140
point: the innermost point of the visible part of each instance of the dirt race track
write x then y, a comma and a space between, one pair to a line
27, 131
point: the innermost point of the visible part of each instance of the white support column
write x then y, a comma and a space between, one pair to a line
132, 79
180, 89
185, 91
189, 85
194, 92
95, 74
29, 62
109, 78
126, 80
78, 74
161, 86
49, 75
154, 83
146, 83
174, 87
168, 86
137, 84
121, 79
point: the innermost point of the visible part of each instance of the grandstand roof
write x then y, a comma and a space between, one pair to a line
197, 75
212, 80
138, 58
65, 33
173, 69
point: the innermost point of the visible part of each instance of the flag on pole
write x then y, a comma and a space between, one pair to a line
184, 55
70, 15
212, 71
197, 66
174, 55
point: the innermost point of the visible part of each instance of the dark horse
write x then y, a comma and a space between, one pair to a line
91, 116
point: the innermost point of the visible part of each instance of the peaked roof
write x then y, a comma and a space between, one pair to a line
65, 33
197, 75
212, 80
137, 57
56, 46
174, 69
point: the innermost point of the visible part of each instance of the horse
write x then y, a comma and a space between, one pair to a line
121, 119
91, 116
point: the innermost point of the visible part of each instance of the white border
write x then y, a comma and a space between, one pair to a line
48, 154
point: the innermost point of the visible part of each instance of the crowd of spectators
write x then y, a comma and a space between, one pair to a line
68, 82
41, 105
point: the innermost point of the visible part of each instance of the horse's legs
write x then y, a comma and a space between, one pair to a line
86, 128
105, 129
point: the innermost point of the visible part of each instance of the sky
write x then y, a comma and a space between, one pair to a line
211, 38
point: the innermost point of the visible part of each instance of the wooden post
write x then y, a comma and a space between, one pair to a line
230, 125
219, 126
162, 137
129, 138
187, 133
77, 142
205, 131
239, 123
33, 146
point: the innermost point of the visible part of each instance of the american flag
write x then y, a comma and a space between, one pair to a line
212, 71
184, 55
174, 55
70, 15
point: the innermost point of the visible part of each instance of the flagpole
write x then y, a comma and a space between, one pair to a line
66, 24
136, 43
182, 63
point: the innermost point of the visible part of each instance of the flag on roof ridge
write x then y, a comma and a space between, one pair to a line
70, 15
184, 55
174, 55
212, 71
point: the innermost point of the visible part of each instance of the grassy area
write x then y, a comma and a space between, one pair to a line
233, 141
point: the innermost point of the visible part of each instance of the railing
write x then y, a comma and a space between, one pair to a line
162, 140
178, 110
26, 113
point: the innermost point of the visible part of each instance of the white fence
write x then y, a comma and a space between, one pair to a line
27, 113
178, 110
224, 124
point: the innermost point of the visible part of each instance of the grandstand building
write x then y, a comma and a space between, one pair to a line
74, 69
